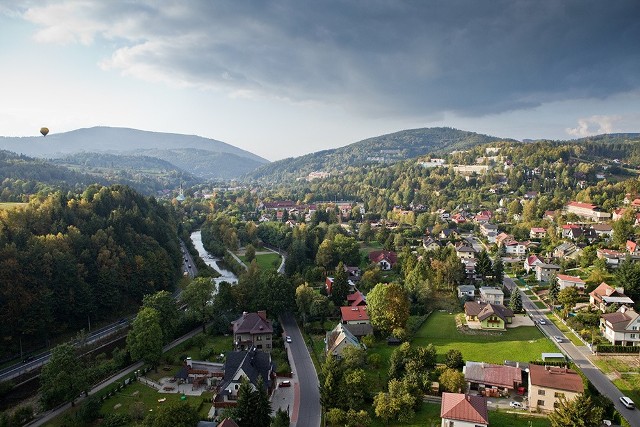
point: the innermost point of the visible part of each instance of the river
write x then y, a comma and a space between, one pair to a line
225, 275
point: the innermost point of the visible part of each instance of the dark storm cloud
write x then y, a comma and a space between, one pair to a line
377, 57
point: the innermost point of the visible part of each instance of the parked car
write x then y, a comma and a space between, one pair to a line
628, 403
285, 383
288, 338
516, 405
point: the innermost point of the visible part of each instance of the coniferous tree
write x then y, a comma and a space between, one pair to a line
340, 286
515, 303
580, 411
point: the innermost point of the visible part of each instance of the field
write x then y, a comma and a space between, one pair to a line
625, 371
521, 344
268, 260
429, 416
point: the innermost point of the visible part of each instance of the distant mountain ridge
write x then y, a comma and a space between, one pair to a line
388, 148
214, 159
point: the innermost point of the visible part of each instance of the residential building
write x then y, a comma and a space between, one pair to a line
621, 327
633, 248
463, 410
356, 299
612, 257
466, 291
564, 250
515, 248
604, 295
491, 295
252, 330
587, 210
386, 260
530, 262
500, 379
545, 271
250, 365
547, 385
537, 233
490, 231
430, 244
566, 281
355, 315
465, 252
338, 339
603, 231
490, 316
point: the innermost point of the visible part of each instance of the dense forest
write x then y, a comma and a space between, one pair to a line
66, 259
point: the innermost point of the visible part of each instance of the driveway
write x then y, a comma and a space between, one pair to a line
579, 356
306, 410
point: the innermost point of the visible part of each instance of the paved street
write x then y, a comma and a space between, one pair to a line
579, 355
307, 410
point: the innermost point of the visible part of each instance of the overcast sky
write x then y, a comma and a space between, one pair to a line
285, 78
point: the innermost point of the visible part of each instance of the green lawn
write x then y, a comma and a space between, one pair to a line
429, 416
629, 384
265, 261
521, 344
565, 330
540, 304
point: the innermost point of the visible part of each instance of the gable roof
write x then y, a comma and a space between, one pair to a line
555, 378
377, 256
603, 290
356, 298
482, 310
532, 260
338, 335
462, 407
253, 363
568, 278
350, 313
497, 375
252, 323
359, 329
620, 319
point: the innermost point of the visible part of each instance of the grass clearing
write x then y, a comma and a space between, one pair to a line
522, 344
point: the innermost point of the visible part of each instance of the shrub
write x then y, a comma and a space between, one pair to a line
115, 420
602, 348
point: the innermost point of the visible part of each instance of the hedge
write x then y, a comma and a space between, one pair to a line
617, 349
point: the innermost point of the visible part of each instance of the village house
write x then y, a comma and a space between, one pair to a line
492, 380
612, 257
463, 410
545, 271
515, 248
621, 327
356, 299
386, 260
355, 315
464, 251
547, 385
252, 330
530, 262
489, 316
430, 244
566, 281
250, 365
633, 248
466, 291
338, 339
490, 231
564, 250
603, 231
537, 233
491, 295
604, 295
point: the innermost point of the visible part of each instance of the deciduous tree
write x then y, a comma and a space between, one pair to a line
579, 411
198, 296
63, 377
388, 307
145, 337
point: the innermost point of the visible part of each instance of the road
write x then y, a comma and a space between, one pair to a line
579, 356
309, 409
188, 266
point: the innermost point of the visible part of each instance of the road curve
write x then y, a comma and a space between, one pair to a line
308, 400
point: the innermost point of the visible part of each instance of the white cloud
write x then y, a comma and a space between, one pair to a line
594, 125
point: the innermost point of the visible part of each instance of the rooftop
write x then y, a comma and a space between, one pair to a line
555, 378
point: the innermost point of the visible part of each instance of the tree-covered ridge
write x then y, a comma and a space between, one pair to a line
23, 176
68, 258
393, 147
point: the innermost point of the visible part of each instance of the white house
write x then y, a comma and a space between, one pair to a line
491, 295
545, 271
515, 248
565, 281
621, 327
466, 291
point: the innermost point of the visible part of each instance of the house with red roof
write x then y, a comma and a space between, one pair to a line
355, 315
633, 248
531, 262
548, 384
566, 281
587, 210
463, 410
386, 260
356, 299
481, 376
537, 232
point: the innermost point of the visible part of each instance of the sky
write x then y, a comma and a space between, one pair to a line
284, 78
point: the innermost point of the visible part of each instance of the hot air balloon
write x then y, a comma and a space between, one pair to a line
44, 131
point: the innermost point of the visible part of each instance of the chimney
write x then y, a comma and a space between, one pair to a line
262, 314
244, 314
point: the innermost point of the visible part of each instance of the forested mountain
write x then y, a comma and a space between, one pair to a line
213, 159
68, 258
389, 148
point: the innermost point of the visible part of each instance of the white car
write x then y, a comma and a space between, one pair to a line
542, 322
558, 338
288, 339
515, 404
628, 403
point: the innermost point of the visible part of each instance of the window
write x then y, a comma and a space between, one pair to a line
558, 395
632, 335
258, 337
268, 345
540, 402
540, 392
259, 346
